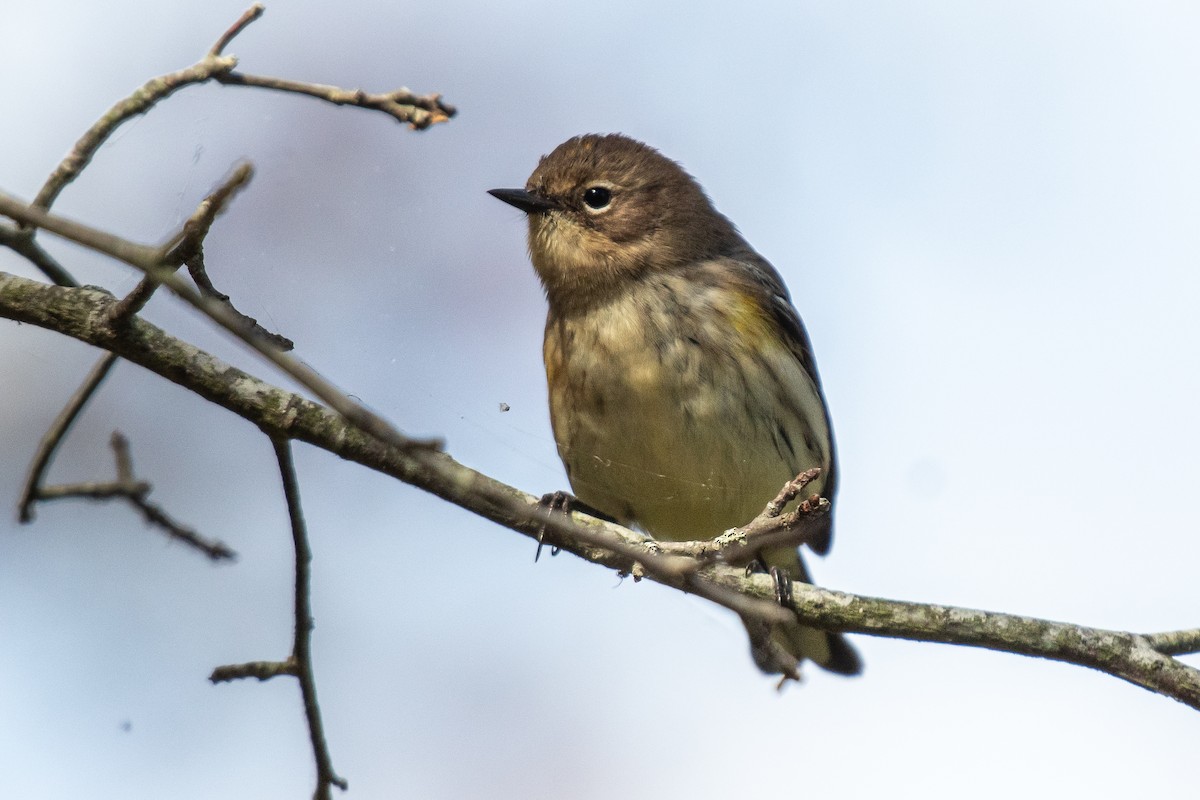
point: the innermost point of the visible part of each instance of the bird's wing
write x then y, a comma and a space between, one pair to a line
774, 294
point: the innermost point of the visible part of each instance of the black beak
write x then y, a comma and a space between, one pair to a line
526, 201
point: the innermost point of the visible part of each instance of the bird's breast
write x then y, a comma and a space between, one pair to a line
676, 409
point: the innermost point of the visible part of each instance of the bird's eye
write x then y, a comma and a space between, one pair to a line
597, 198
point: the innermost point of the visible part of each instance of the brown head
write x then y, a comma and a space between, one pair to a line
603, 209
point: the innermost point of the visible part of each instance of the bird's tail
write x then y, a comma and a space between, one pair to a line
780, 648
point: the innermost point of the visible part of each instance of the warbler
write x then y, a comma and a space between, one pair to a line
683, 392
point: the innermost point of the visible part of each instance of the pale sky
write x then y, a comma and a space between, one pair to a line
986, 214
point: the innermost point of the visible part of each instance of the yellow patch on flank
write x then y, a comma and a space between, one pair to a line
746, 315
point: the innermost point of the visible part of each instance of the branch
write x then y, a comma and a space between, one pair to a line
188, 247
142, 100
770, 529
125, 487
418, 111
249, 15
215, 65
154, 262
62, 423
21, 241
302, 639
159, 264
262, 670
281, 414
1175, 643
299, 664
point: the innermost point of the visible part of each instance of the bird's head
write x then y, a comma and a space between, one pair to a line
603, 209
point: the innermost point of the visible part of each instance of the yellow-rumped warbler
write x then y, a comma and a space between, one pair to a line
683, 392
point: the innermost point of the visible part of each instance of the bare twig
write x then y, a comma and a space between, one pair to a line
141, 101
302, 641
194, 231
418, 111
299, 663
125, 487
770, 529
133, 302
150, 260
187, 247
199, 275
92, 238
190, 242
196, 269
21, 241
95, 490
249, 15
62, 423
1175, 643
159, 264
261, 670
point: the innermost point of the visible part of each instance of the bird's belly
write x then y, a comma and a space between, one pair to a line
682, 446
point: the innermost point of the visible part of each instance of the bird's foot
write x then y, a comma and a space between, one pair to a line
780, 577
783, 586
561, 502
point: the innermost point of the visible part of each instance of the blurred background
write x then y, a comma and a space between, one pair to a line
986, 214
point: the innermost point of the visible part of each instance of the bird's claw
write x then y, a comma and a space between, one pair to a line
561, 502
558, 502
783, 586
779, 576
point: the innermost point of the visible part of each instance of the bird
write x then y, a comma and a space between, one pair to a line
682, 386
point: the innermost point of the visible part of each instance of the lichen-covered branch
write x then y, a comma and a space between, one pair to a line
1142, 660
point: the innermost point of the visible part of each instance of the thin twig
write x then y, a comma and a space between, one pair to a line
154, 514
150, 260
95, 490
158, 264
126, 487
199, 273
187, 247
262, 670
194, 231
141, 101
92, 238
133, 302
58, 429
302, 641
299, 663
1175, 643
192, 237
215, 550
21, 242
417, 111
772, 528
249, 15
